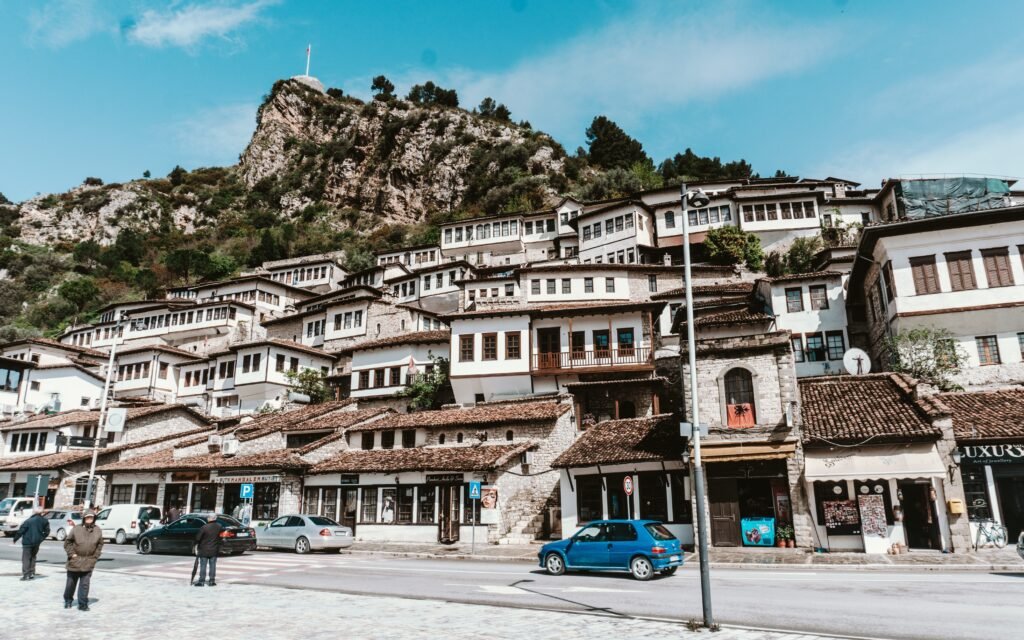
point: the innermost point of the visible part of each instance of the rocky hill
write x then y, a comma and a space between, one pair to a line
385, 161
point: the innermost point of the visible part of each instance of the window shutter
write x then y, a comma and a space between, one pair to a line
997, 267
925, 277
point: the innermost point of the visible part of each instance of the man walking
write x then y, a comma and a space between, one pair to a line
84, 545
207, 546
32, 532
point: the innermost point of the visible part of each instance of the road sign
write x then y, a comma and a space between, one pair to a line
627, 485
474, 490
37, 483
246, 491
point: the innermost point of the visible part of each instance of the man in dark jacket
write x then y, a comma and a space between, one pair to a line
32, 532
207, 545
84, 545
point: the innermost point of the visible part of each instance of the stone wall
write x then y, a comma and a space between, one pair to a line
161, 424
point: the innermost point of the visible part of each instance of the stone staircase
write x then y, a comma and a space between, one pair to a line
526, 523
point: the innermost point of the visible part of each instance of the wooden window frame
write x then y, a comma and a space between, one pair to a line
467, 340
919, 268
485, 349
992, 258
823, 300
961, 277
789, 306
513, 345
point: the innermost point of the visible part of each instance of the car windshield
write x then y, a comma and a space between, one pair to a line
658, 531
5, 506
228, 521
323, 522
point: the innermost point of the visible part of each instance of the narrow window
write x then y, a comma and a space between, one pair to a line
997, 267
961, 272
466, 345
794, 300
988, 349
926, 279
819, 296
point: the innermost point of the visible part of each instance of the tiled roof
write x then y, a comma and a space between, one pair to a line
49, 342
81, 417
483, 457
480, 415
337, 419
280, 342
548, 310
655, 380
813, 275
270, 423
736, 316
733, 288
987, 415
65, 458
279, 459
161, 348
867, 409
70, 365
416, 337
622, 441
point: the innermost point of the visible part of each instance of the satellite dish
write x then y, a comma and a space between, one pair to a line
856, 362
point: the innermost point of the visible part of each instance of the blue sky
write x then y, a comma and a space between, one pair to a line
861, 90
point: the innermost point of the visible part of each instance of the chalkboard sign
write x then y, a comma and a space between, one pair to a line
872, 514
841, 517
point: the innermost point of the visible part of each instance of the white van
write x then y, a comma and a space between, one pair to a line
120, 522
14, 511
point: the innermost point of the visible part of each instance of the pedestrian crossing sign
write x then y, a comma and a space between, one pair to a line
474, 490
246, 491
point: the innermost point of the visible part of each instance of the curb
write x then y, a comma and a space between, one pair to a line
436, 556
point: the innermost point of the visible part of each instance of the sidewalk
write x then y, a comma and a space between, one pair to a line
121, 605
984, 560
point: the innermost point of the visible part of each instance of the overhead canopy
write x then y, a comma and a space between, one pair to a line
897, 461
739, 451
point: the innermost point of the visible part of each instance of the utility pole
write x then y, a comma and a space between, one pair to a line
103, 415
698, 468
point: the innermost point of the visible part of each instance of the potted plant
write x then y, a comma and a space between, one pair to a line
780, 537
786, 536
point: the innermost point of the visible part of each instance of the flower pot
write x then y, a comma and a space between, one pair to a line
791, 544
780, 543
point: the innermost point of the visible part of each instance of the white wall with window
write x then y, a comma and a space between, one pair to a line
386, 371
561, 285
812, 307
490, 358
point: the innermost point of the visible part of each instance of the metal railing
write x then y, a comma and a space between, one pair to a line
583, 359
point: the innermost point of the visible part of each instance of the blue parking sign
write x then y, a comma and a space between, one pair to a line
474, 490
246, 491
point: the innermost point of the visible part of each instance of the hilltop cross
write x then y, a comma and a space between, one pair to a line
309, 47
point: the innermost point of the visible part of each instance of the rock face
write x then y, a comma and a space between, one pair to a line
392, 160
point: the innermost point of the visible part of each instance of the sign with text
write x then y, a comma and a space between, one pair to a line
190, 476
246, 491
992, 454
247, 479
444, 477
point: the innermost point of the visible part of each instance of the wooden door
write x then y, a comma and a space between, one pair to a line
448, 513
725, 513
347, 514
549, 347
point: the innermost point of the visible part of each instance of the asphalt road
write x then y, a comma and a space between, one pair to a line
890, 604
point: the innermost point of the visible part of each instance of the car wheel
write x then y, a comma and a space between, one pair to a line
641, 568
121, 537
554, 564
302, 545
60, 535
671, 571
145, 546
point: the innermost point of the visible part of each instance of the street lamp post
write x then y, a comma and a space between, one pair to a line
698, 469
103, 414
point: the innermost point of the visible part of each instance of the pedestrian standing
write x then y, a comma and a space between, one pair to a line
84, 545
32, 532
144, 519
208, 543
173, 513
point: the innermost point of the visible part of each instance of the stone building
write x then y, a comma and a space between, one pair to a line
879, 465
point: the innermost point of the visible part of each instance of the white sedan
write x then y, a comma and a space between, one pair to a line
304, 533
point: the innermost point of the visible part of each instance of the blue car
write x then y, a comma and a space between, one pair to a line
642, 547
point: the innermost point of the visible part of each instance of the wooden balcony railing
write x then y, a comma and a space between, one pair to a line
585, 359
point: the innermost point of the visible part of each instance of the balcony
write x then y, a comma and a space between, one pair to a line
630, 358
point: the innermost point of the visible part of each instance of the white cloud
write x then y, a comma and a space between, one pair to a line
58, 24
639, 66
189, 25
215, 136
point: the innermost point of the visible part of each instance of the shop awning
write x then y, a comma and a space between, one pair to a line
739, 451
864, 463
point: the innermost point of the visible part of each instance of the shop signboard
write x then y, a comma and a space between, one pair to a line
872, 514
190, 476
992, 454
758, 532
444, 478
271, 478
349, 478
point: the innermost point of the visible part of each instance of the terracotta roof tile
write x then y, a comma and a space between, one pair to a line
278, 459
272, 422
987, 415
484, 457
480, 415
280, 342
622, 441
872, 408
49, 342
707, 289
83, 417
813, 275
416, 337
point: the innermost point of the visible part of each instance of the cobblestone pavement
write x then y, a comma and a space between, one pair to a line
124, 606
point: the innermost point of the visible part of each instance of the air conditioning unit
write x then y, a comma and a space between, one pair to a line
213, 443
230, 446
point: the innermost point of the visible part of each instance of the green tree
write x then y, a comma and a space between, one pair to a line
731, 245
429, 390
218, 266
690, 166
311, 382
177, 175
146, 174
186, 264
928, 354
647, 176
87, 253
80, 292
800, 255
490, 109
4, 200
383, 89
429, 93
146, 280
335, 93
93, 182
610, 146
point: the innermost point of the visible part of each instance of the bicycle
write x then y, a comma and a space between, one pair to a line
994, 533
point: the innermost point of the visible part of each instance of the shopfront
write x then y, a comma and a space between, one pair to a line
993, 479
404, 506
266, 494
749, 503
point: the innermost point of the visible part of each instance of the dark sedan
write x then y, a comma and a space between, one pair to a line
180, 536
